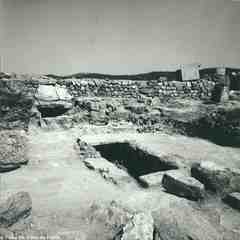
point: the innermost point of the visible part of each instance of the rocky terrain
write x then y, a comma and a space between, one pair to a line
94, 157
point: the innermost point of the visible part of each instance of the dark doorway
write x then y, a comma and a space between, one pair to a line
235, 82
52, 111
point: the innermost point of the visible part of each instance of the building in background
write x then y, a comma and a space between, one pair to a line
190, 72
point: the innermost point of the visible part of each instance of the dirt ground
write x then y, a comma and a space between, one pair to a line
63, 189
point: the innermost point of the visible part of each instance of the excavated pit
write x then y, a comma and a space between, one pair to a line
135, 160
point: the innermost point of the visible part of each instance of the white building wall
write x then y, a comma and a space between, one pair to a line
190, 72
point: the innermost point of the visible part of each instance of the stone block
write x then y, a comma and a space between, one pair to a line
177, 183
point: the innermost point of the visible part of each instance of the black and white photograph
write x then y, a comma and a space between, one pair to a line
119, 120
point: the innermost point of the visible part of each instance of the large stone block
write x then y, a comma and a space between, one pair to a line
180, 221
104, 220
53, 101
13, 151
14, 208
52, 93
233, 199
177, 183
216, 178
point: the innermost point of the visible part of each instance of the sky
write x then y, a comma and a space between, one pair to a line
1, 29
118, 36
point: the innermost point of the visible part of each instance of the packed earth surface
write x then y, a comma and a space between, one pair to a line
99, 167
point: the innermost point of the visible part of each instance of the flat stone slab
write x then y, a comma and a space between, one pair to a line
178, 183
233, 199
153, 179
108, 170
52, 93
53, 97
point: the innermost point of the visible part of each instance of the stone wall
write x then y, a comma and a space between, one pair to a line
48, 103
23, 100
198, 89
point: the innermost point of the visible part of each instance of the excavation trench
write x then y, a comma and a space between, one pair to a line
135, 160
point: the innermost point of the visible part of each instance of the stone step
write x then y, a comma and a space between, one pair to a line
153, 179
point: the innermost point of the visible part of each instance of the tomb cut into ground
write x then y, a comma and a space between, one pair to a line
132, 158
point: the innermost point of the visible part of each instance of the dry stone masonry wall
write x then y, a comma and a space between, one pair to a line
150, 104
21, 97
197, 89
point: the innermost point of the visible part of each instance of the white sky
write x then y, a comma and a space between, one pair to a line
119, 36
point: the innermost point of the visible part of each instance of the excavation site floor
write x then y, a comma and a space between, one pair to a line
63, 188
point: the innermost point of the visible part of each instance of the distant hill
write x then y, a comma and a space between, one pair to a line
170, 75
143, 76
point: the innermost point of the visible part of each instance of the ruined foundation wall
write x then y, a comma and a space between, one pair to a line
19, 99
197, 89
